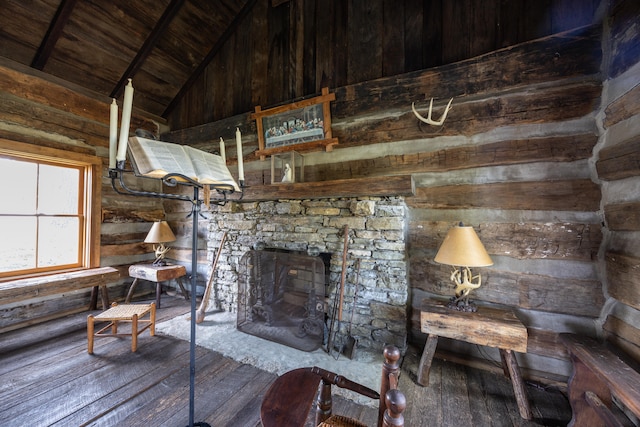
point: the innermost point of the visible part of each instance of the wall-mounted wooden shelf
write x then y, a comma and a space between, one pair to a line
305, 147
379, 186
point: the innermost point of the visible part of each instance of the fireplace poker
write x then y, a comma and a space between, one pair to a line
344, 270
200, 313
334, 310
349, 349
337, 301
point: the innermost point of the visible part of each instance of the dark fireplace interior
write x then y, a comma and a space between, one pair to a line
281, 297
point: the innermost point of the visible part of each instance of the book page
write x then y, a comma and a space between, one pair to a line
210, 168
156, 159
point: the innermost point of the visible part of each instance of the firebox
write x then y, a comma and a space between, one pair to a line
281, 297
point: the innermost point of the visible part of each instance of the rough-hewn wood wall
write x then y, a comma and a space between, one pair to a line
297, 47
617, 165
45, 111
512, 159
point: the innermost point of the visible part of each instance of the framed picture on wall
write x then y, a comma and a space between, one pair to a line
301, 126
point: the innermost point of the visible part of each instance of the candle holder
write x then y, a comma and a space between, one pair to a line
222, 197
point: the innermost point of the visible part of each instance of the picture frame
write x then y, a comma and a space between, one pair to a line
301, 126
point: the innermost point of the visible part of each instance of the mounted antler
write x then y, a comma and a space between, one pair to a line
428, 120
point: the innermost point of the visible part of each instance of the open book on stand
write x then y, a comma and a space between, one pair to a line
156, 159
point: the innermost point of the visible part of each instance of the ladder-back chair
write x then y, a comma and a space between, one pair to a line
290, 397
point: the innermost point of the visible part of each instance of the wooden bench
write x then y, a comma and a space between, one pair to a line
598, 376
42, 286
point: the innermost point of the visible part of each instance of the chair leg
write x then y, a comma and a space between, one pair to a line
134, 332
324, 402
90, 329
158, 292
152, 319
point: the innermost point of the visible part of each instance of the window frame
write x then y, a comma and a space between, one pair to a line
91, 166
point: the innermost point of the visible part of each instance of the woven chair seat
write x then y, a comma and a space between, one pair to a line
340, 421
133, 314
124, 312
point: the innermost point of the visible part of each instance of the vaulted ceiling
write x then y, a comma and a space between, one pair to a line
196, 61
100, 44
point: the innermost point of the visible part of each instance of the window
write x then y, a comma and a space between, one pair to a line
48, 215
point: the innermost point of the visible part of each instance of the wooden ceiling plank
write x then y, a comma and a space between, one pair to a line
53, 34
212, 53
149, 44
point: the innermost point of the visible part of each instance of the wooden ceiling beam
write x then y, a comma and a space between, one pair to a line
170, 12
53, 34
212, 53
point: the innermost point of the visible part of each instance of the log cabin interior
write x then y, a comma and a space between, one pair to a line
539, 153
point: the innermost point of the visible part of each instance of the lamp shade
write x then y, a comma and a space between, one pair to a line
160, 233
462, 248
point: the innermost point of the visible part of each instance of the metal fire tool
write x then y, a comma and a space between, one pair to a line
349, 348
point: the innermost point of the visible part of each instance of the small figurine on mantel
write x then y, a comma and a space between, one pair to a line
286, 173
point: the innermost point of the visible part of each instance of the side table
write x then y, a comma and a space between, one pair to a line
158, 274
488, 326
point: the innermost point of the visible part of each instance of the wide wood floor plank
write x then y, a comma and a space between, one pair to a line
50, 380
92, 378
36, 353
135, 394
54, 371
487, 403
456, 410
172, 406
243, 409
424, 404
217, 392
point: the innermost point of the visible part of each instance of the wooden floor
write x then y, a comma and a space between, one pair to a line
48, 379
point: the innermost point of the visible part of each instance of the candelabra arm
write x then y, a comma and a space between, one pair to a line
120, 187
172, 180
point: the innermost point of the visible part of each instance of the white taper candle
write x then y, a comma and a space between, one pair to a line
240, 162
126, 120
113, 133
222, 153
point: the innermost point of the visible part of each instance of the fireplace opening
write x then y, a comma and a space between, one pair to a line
281, 297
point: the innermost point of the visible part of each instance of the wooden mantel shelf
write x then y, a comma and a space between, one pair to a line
380, 186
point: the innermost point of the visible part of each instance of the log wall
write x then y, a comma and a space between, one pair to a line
617, 165
45, 111
286, 50
515, 159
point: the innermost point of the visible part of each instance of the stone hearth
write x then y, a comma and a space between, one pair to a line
376, 257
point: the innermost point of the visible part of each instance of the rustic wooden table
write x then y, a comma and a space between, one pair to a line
488, 326
158, 274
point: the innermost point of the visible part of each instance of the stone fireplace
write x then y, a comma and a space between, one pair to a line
281, 297
375, 303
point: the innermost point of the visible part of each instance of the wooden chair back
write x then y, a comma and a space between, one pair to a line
289, 399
